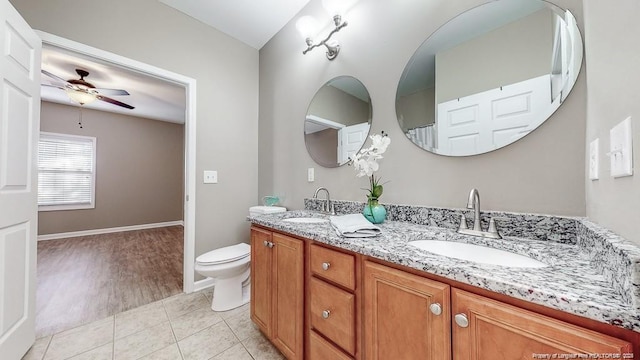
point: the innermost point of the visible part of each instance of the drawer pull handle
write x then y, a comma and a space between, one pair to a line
325, 314
461, 320
436, 309
326, 266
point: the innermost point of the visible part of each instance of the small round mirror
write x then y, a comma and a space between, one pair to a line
338, 121
489, 77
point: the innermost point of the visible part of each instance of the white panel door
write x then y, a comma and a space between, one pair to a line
19, 127
491, 119
350, 140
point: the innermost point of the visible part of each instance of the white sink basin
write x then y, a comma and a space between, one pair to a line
476, 253
305, 220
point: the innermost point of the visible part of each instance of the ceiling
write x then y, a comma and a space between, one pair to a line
153, 98
250, 21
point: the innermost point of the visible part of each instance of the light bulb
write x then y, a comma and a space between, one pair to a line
307, 27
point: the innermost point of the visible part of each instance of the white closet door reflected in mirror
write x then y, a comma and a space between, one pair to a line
489, 77
338, 121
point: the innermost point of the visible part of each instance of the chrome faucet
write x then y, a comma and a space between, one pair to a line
328, 207
474, 203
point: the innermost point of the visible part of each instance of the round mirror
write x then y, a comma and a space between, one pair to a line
337, 121
489, 76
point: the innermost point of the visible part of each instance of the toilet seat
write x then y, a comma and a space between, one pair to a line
225, 255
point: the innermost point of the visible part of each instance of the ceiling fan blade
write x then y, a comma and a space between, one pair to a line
114, 102
55, 77
112, 92
55, 86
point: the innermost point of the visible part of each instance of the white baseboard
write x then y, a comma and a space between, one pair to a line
108, 230
203, 284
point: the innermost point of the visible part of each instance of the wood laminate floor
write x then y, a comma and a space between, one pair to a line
84, 279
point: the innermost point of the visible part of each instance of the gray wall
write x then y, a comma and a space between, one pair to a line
418, 109
613, 56
542, 173
324, 145
139, 169
336, 105
515, 52
226, 72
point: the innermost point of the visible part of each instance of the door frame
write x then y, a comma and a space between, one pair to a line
189, 211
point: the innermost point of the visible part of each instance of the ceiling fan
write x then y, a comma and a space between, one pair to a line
84, 92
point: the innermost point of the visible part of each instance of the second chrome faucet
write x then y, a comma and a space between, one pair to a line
328, 208
474, 203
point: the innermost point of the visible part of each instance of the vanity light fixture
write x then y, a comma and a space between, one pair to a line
308, 28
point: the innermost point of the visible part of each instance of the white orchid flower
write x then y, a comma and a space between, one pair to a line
380, 143
365, 162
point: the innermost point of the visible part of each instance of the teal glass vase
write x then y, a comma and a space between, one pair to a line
374, 212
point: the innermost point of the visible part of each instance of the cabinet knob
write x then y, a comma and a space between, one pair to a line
266, 243
270, 245
461, 320
326, 266
436, 309
325, 314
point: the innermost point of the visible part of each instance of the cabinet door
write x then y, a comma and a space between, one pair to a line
261, 271
399, 323
288, 295
499, 331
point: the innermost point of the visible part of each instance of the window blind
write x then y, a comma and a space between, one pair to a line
66, 170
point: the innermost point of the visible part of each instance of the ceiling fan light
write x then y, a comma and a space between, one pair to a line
81, 97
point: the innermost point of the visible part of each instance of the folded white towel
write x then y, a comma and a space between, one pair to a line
354, 225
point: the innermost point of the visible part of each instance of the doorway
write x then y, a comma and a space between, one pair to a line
189, 84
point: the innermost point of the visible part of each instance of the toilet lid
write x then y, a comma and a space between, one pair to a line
225, 254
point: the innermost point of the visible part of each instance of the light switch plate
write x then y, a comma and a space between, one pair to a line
620, 151
594, 149
210, 177
310, 175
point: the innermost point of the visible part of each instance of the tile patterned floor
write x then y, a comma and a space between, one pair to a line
182, 327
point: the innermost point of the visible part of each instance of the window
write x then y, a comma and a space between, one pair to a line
66, 172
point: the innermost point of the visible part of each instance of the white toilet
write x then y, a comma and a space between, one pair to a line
230, 267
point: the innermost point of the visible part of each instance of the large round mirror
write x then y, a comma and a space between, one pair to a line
489, 76
337, 121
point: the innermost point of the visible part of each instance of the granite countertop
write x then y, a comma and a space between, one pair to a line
571, 282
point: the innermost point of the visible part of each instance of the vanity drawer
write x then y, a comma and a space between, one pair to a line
333, 314
321, 349
333, 265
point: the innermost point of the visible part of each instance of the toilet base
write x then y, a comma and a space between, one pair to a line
231, 293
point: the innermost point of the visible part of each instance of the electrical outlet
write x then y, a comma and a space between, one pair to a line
594, 149
620, 151
310, 175
210, 177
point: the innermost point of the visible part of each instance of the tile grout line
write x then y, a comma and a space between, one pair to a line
237, 337
113, 342
172, 331
44, 354
88, 350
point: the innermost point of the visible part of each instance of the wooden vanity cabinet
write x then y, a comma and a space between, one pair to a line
333, 308
277, 289
405, 316
317, 302
495, 330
